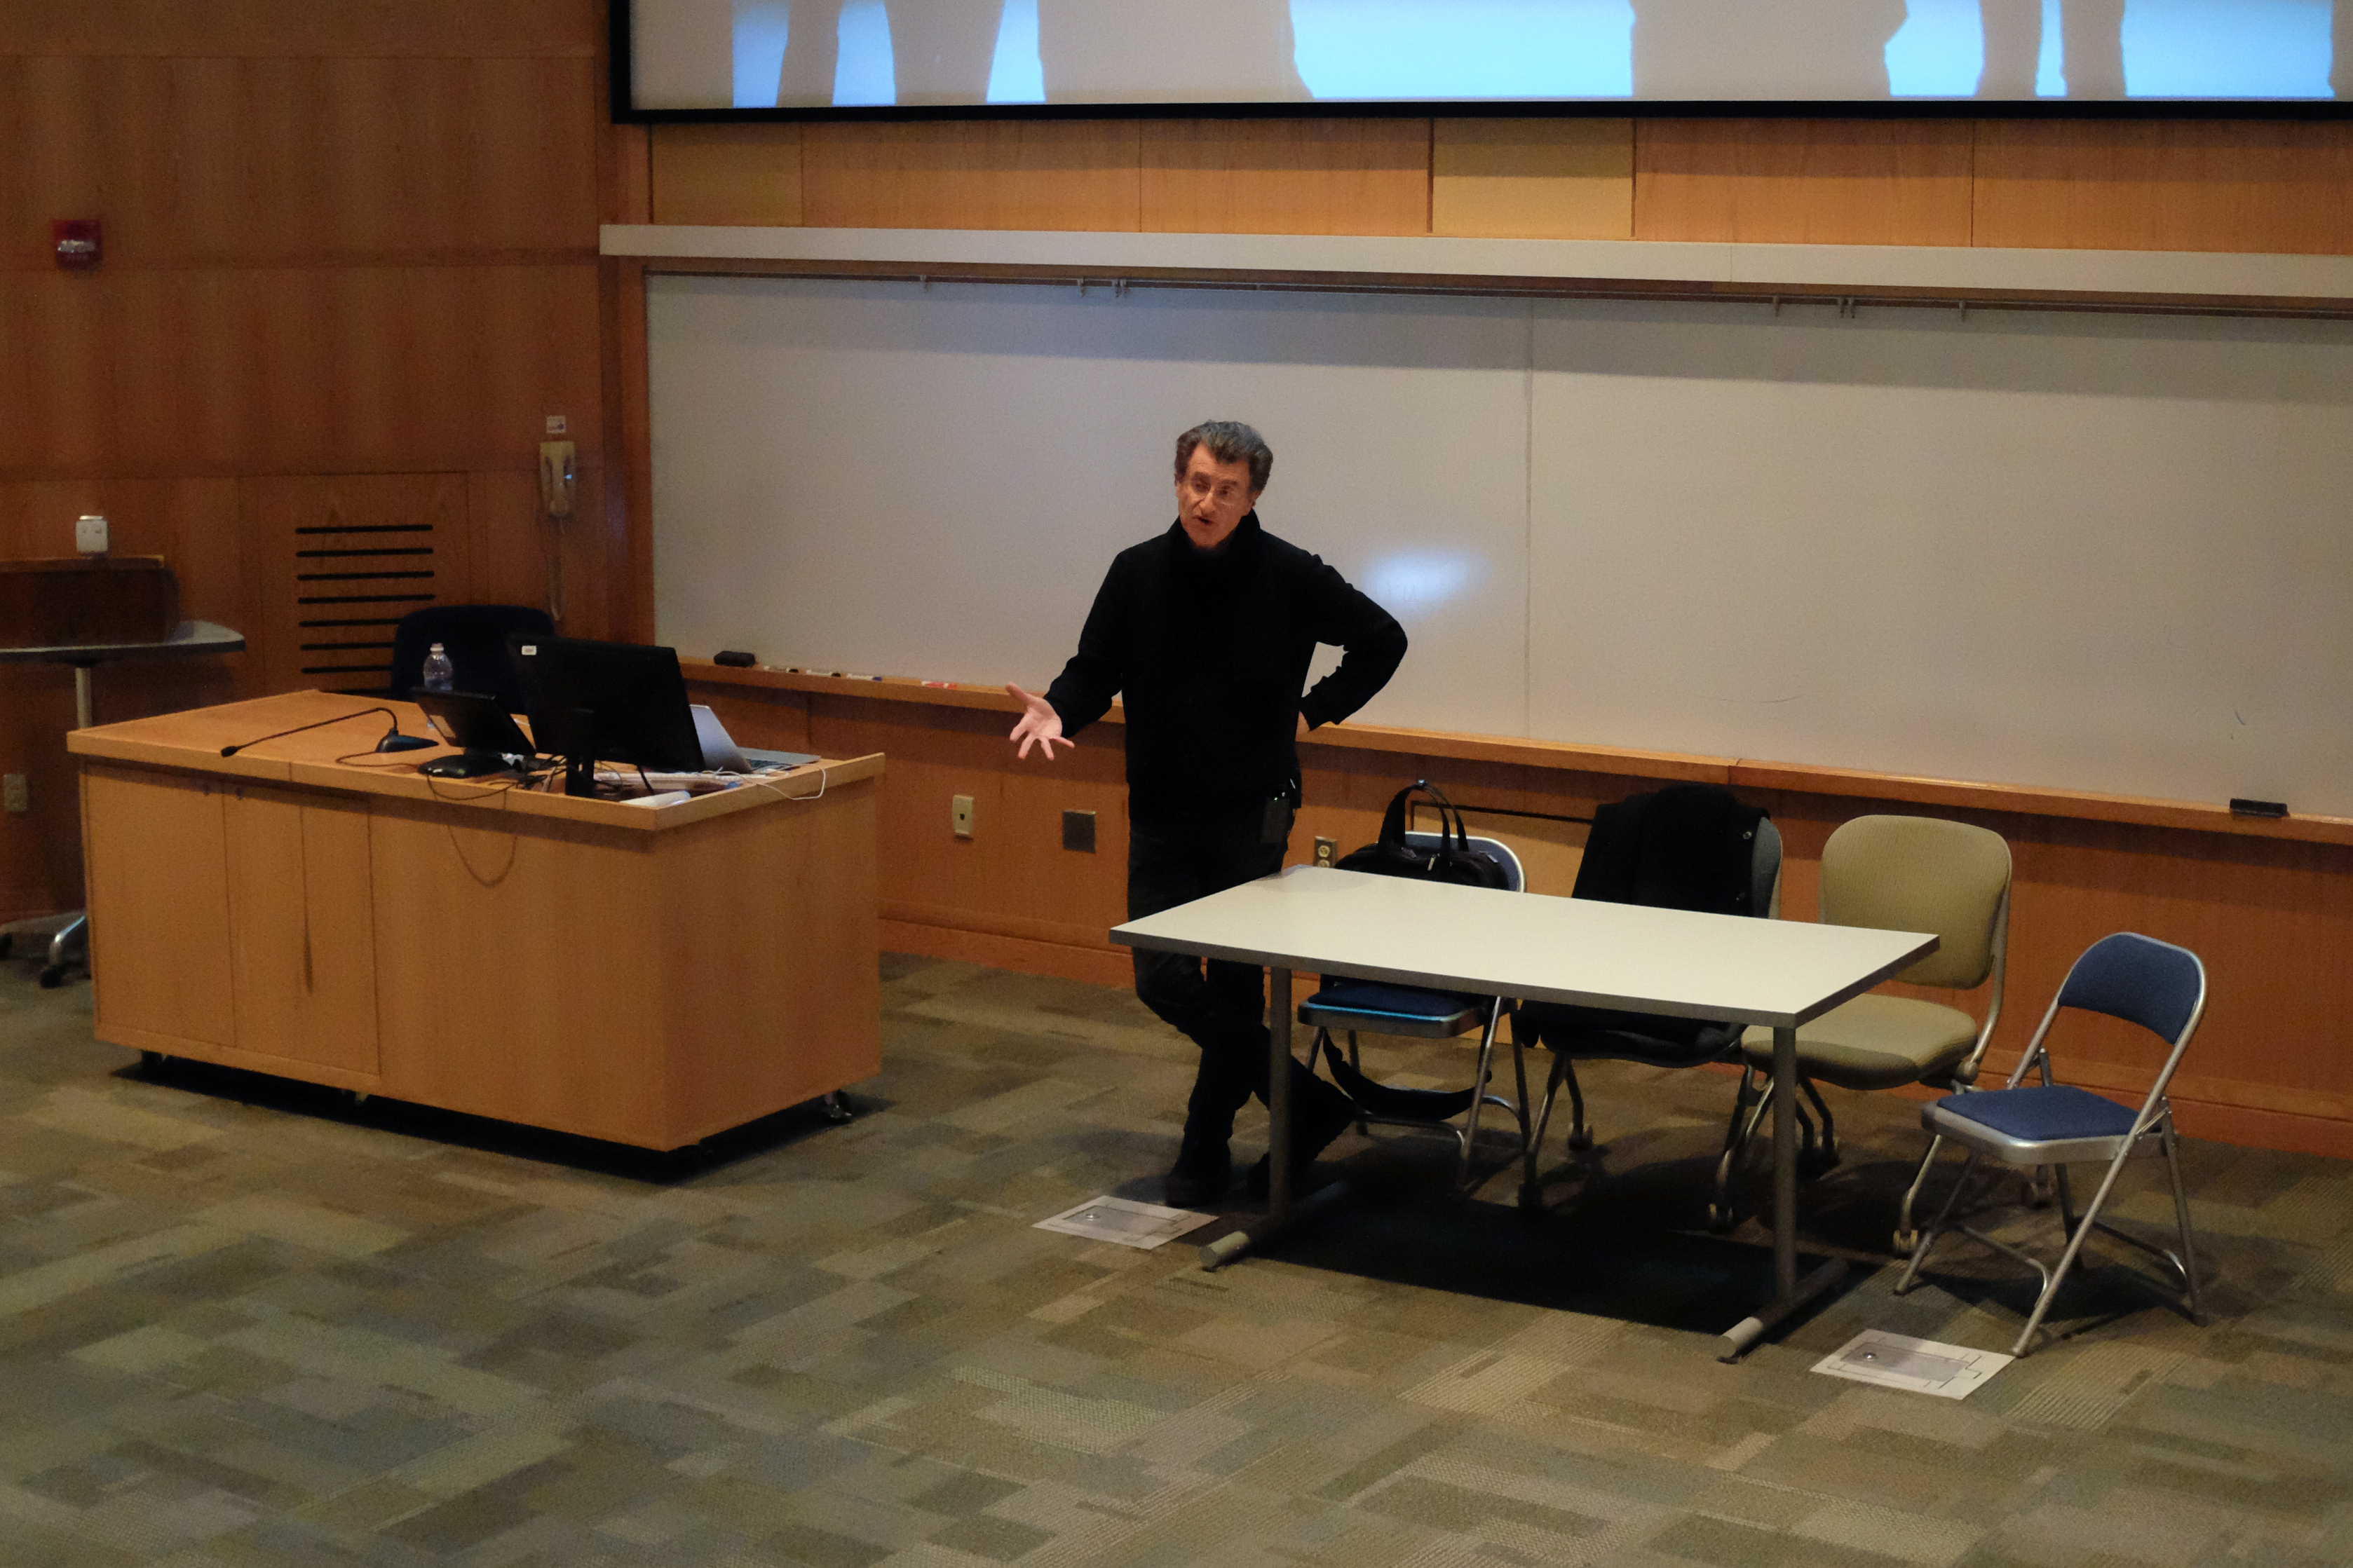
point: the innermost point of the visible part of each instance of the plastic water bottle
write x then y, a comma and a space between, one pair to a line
439, 674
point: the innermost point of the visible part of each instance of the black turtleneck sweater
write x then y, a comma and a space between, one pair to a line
1211, 649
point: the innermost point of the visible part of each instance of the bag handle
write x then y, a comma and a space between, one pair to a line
1449, 817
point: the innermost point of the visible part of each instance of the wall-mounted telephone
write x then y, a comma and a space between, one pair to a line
555, 478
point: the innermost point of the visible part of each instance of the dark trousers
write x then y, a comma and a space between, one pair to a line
1220, 1006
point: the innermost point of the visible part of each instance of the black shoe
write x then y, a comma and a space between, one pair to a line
1191, 1183
1327, 1115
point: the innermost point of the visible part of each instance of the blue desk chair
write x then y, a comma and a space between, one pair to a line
2142, 981
1371, 1007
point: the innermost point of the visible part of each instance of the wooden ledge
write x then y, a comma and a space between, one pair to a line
1739, 773
331, 759
2198, 282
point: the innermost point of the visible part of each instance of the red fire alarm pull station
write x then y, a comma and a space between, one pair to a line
77, 241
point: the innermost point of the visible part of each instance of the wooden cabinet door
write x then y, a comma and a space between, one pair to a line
159, 909
302, 928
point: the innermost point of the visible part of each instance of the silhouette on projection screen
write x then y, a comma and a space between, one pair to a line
765, 56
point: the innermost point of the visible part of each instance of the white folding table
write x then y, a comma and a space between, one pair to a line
1531, 947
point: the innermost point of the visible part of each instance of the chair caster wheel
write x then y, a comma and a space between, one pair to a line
151, 1061
1904, 1242
52, 976
1581, 1141
1532, 1195
2036, 1194
836, 1106
1719, 1217
355, 1097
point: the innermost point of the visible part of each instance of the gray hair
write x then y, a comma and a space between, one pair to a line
1228, 441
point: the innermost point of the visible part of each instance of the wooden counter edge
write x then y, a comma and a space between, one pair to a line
399, 781
1735, 771
2083, 805
98, 744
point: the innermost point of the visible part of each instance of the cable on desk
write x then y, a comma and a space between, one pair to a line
823, 776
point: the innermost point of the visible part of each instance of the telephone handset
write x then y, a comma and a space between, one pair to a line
555, 476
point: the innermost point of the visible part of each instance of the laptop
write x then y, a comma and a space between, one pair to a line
722, 755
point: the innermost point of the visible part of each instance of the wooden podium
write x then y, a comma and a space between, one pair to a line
650, 975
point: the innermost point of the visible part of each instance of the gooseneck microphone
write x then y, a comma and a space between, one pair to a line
393, 740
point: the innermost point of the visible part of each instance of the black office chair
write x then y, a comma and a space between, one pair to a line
475, 638
1686, 846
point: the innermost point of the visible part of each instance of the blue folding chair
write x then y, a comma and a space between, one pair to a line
1371, 1007
2154, 984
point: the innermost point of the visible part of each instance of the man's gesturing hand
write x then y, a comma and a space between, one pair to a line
1040, 724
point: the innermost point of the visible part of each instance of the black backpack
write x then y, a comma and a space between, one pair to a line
1453, 860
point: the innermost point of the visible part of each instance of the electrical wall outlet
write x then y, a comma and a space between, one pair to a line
14, 797
89, 534
1327, 851
1079, 831
557, 425
960, 816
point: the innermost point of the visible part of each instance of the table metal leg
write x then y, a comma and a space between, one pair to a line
1282, 1213
71, 945
1789, 1293
1277, 1095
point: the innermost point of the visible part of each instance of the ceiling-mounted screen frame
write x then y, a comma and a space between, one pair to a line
626, 110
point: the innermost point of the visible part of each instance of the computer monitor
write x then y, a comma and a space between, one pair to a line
478, 722
617, 702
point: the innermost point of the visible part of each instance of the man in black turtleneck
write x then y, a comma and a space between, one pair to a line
1208, 630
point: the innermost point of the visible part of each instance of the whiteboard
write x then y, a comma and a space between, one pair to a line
2064, 550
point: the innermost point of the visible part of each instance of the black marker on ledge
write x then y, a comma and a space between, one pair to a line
2258, 807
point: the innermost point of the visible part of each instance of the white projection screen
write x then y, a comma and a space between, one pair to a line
706, 58
2063, 551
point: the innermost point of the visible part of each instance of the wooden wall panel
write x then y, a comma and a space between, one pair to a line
2166, 184
725, 173
336, 158
1803, 181
513, 545
995, 173
510, 539
468, 28
295, 369
1013, 873
625, 162
1533, 179
309, 631
1286, 176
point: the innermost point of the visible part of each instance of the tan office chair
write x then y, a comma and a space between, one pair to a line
1891, 873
